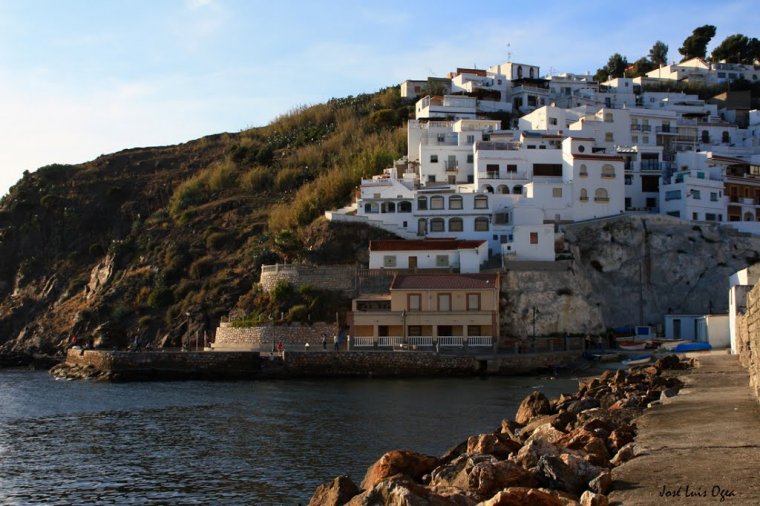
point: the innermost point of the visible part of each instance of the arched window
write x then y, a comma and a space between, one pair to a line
530, 72
584, 195
517, 190
456, 225
725, 138
608, 171
705, 137
388, 207
422, 203
519, 72
583, 172
455, 202
488, 188
371, 207
481, 224
436, 202
600, 195
405, 206
503, 189
481, 201
436, 225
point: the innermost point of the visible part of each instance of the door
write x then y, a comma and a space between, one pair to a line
422, 227
412, 262
676, 329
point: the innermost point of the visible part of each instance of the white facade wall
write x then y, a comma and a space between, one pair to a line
467, 261
531, 242
449, 106
692, 198
681, 326
740, 283
412, 88
713, 329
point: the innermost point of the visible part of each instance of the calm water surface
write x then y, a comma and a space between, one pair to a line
261, 442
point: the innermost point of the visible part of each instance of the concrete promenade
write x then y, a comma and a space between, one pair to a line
700, 447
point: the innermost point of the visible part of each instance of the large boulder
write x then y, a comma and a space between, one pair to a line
558, 421
335, 493
399, 490
522, 496
532, 406
487, 478
411, 464
531, 453
455, 474
567, 472
492, 444
623, 455
594, 447
590, 498
546, 432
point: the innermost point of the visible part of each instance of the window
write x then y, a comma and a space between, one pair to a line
705, 137
389, 261
456, 225
628, 178
557, 193
441, 260
481, 224
725, 138
583, 171
645, 139
444, 302
470, 139
651, 202
696, 194
473, 302
608, 117
534, 237
694, 216
436, 225
492, 170
422, 203
404, 207
470, 158
441, 137
584, 195
552, 121
414, 302
455, 202
628, 203
481, 202
634, 139
609, 137
709, 216
474, 330
600, 195
713, 196
672, 195
436, 202
433, 158
581, 148
608, 171
547, 169
511, 168
431, 178
517, 190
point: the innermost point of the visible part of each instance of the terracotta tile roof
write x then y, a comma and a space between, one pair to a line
423, 245
446, 281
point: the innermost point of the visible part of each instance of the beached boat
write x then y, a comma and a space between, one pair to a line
695, 346
601, 356
641, 359
632, 345
668, 344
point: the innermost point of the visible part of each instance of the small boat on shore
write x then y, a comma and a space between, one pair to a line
601, 356
639, 360
668, 344
692, 346
632, 345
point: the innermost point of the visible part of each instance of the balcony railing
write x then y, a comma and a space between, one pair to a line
601, 199
451, 166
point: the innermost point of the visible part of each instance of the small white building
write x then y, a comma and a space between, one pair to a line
446, 254
713, 329
682, 326
740, 283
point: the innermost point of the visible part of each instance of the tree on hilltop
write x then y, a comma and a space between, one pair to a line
659, 53
615, 67
737, 48
695, 45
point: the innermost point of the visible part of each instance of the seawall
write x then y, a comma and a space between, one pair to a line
158, 365
748, 338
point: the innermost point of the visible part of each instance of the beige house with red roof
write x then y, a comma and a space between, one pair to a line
465, 256
425, 310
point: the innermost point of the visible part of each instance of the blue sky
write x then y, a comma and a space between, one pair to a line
80, 78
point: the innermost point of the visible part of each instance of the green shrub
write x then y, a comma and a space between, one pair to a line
202, 267
257, 179
218, 241
281, 292
160, 297
298, 313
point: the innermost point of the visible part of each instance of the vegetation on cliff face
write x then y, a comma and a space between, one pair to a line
160, 243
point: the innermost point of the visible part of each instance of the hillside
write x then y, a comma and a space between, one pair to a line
159, 243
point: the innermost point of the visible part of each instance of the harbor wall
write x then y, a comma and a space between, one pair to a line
261, 337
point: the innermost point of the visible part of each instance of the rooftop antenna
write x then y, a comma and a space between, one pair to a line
509, 52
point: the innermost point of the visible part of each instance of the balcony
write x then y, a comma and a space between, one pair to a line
602, 199
451, 167
666, 129
583, 199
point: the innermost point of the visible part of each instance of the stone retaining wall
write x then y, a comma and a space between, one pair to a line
326, 277
255, 338
748, 339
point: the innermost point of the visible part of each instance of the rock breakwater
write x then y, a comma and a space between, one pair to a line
554, 452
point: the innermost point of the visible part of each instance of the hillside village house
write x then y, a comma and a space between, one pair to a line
427, 310
441, 254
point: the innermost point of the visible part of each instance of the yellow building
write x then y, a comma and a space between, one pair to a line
427, 310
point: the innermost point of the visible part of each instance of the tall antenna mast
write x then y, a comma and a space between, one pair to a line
509, 52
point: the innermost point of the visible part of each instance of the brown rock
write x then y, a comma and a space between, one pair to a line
510, 428
412, 464
492, 444
487, 478
335, 493
593, 446
546, 433
399, 490
558, 421
601, 484
621, 437
590, 498
533, 405
555, 473
455, 474
625, 454
583, 470
531, 453
522, 496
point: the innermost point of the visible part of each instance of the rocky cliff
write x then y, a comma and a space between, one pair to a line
626, 270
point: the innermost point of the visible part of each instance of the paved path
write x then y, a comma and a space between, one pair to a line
707, 439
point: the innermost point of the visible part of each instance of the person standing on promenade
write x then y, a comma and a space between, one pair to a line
324, 342
279, 347
335, 342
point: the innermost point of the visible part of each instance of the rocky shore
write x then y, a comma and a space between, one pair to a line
554, 452
37, 361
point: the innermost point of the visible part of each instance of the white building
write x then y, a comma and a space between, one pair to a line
441, 254
446, 107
